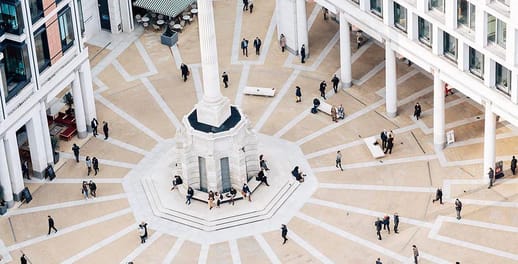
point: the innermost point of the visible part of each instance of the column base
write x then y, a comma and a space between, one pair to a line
38, 174
346, 85
440, 146
89, 129
9, 203
17, 196
391, 114
82, 134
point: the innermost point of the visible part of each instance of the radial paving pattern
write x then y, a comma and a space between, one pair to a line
139, 91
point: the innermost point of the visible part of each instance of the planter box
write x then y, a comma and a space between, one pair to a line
169, 38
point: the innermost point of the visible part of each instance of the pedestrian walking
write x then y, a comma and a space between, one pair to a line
438, 196
88, 162
513, 165
390, 144
257, 45
142, 234
458, 207
95, 165
396, 222
378, 224
334, 115
262, 163
185, 71
25, 170
341, 112
144, 225
251, 7
417, 110
93, 188
284, 233
378, 261
384, 138
233, 194
339, 160
491, 175
245, 5
386, 223
244, 47
190, 194
94, 123
75, 149
303, 54
325, 12
282, 42
105, 130
416, 253
224, 76
51, 225
335, 82
84, 190
298, 94
23, 259
322, 89
246, 192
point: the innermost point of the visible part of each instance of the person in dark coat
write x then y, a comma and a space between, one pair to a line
458, 207
303, 54
335, 82
378, 261
262, 177
245, 5
491, 175
246, 192
384, 138
105, 130
244, 47
298, 94
251, 6
513, 165
95, 165
257, 45
417, 111
322, 89
390, 145
284, 233
75, 149
233, 194
23, 259
378, 224
224, 76
185, 71
396, 222
190, 194
94, 125
386, 223
299, 176
25, 169
438, 196
262, 163
93, 188
51, 225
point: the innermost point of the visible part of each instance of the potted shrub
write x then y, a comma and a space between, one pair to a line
169, 38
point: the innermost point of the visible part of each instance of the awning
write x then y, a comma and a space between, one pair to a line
170, 8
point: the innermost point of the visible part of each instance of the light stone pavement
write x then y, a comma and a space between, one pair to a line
139, 91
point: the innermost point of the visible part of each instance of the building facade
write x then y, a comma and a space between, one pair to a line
44, 67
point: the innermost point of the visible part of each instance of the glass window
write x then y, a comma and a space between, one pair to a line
503, 79
505, 2
436, 4
12, 19
377, 7
81, 16
17, 68
425, 31
42, 48
450, 46
476, 62
466, 14
36, 7
496, 31
400, 19
66, 28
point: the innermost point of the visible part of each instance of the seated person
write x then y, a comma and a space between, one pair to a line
262, 163
298, 174
316, 104
341, 112
262, 177
177, 181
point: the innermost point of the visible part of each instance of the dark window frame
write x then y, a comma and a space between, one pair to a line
67, 29
42, 32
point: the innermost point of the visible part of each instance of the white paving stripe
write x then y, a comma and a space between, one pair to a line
376, 163
353, 238
54, 206
370, 74
268, 40
128, 118
366, 187
198, 85
117, 50
135, 253
242, 83
267, 249
432, 258
174, 251
101, 244
504, 228
236, 41
161, 103
204, 254
234, 251
70, 229
145, 56
75, 180
293, 122
292, 236
121, 164
124, 145
400, 80
176, 56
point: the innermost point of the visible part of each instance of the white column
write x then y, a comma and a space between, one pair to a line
390, 81
302, 26
450, 14
79, 110
85, 77
489, 140
14, 164
46, 134
5, 181
36, 145
345, 52
439, 134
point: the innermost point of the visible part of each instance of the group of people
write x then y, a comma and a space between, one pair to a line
458, 203
385, 223
89, 188
248, 5
94, 124
142, 232
257, 45
91, 163
387, 141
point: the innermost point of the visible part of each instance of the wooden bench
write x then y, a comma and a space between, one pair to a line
375, 149
68, 133
325, 107
259, 91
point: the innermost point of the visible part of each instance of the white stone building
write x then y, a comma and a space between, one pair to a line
44, 58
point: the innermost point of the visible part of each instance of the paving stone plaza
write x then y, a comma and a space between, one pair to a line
139, 91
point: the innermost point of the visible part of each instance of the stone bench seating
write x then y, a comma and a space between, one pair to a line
68, 133
250, 90
375, 149
325, 107
203, 196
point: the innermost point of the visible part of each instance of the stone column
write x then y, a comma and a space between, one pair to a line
345, 52
302, 26
5, 181
36, 145
438, 110
390, 81
14, 164
214, 109
87, 91
46, 134
489, 140
212, 174
78, 107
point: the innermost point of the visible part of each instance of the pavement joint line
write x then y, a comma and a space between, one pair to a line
245, 72
145, 56
161, 102
102, 86
236, 41
99, 199
377, 163
100, 244
176, 56
355, 239
174, 251
433, 258
124, 145
292, 236
276, 100
381, 92
234, 251
480, 140
370, 74
321, 56
272, 257
70, 229
138, 250
367, 187
198, 85
128, 118
204, 254
121, 164
75, 180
